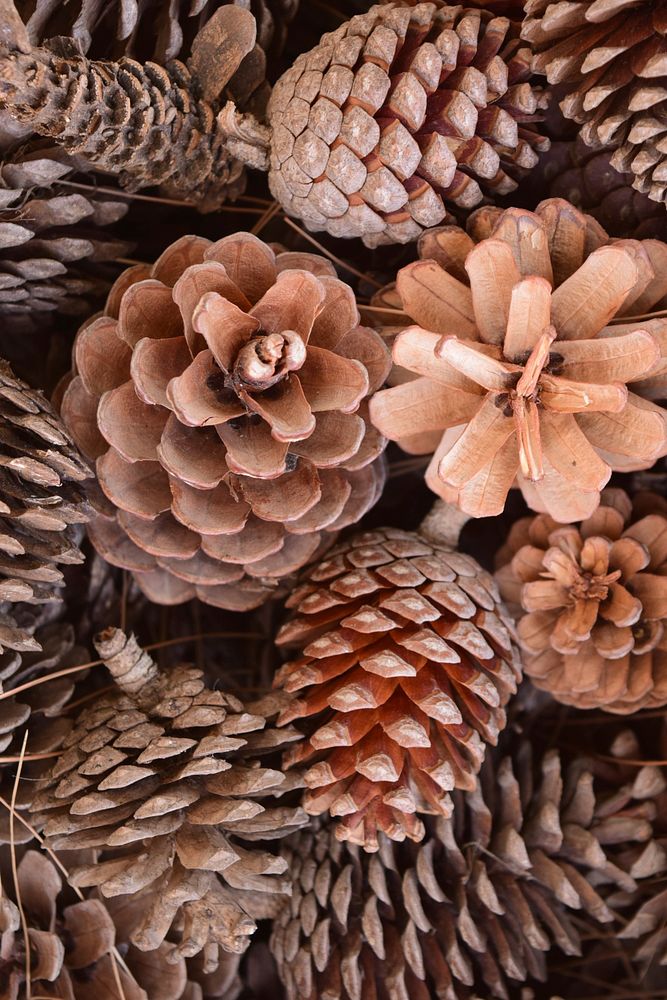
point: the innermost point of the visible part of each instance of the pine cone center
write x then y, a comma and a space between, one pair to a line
268, 358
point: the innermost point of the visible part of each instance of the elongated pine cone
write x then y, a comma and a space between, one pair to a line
71, 947
223, 394
164, 773
530, 368
407, 663
592, 603
610, 55
479, 903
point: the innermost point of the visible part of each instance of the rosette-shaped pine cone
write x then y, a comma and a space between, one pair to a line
407, 663
476, 905
610, 57
398, 114
72, 953
530, 367
162, 772
222, 393
592, 603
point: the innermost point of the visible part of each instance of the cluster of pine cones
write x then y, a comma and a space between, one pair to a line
333, 500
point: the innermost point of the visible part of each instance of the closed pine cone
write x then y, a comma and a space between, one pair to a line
407, 663
222, 393
481, 900
592, 603
528, 369
610, 55
163, 772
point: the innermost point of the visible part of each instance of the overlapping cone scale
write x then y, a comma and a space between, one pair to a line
223, 395
591, 599
403, 111
530, 369
406, 664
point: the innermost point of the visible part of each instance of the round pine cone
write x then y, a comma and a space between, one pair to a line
223, 395
407, 663
530, 368
481, 900
610, 57
162, 771
592, 603
399, 113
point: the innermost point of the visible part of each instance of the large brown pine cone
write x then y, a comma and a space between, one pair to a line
407, 663
530, 368
222, 393
480, 902
163, 773
610, 57
592, 603
400, 112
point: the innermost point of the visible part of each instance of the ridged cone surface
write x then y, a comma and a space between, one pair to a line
525, 366
592, 603
398, 114
223, 394
407, 663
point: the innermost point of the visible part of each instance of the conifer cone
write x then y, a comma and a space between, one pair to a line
611, 56
399, 113
223, 394
530, 367
407, 663
162, 776
592, 603
478, 904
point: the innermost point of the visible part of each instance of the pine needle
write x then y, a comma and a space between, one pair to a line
15, 876
332, 256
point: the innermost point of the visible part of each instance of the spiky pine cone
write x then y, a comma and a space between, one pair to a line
222, 394
482, 899
163, 772
407, 663
610, 56
592, 603
529, 366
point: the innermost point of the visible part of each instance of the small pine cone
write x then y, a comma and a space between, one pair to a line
592, 603
481, 900
163, 772
407, 663
72, 952
530, 367
223, 394
609, 55
400, 112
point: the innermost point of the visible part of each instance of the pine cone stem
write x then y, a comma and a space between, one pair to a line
247, 139
444, 523
129, 665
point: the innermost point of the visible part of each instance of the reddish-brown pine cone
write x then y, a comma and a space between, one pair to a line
592, 603
223, 394
407, 663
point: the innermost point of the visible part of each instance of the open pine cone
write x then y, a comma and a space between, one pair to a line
163, 772
592, 603
529, 365
407, 663
482, 899
610, 57
222, 393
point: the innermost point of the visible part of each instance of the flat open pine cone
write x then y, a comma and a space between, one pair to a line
524, 352
407, 665
222, 393
477, 905
611, 56
163, 771
592, 603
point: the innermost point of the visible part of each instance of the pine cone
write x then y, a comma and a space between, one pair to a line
480, 901
526, 370
72, 953
610, 56
592, 603
253, 448
162, 771
407, 665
